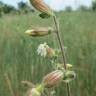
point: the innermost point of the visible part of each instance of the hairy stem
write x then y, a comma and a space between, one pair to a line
56, 23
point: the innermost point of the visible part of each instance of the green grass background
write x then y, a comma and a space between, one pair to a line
18, 57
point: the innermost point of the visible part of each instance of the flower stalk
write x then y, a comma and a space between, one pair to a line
62, 73
56, 23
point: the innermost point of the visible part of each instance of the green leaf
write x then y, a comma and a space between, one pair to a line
44, 15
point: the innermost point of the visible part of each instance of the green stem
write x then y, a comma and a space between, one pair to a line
56, 23
60, 41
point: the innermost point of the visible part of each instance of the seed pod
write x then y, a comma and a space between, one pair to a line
41, 6
40, 31
53, 78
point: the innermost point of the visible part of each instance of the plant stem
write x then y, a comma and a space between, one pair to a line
56, 23
60, 41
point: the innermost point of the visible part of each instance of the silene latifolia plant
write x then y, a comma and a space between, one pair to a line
62, 72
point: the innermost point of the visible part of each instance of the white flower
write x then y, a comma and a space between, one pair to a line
42, 49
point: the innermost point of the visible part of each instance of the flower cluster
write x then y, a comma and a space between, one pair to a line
55, 77
59, 74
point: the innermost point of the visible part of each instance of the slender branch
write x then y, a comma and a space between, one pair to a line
60, 41
56, 23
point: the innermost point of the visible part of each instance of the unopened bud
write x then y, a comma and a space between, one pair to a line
50, 52
69, 66
53, 78
69, 76
61, 66
37, 32
41, 6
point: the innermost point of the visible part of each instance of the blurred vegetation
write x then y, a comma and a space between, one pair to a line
18, 56
19, 60
68, 9
84, 8
5, 9
94, 5
24, 8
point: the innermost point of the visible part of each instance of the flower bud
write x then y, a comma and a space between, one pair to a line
41, 31
36, 91
69, 76
53, 78
69, 66
41, 6
33, 92
50, 52
61, 66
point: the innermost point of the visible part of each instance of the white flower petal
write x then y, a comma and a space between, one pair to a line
42, 49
